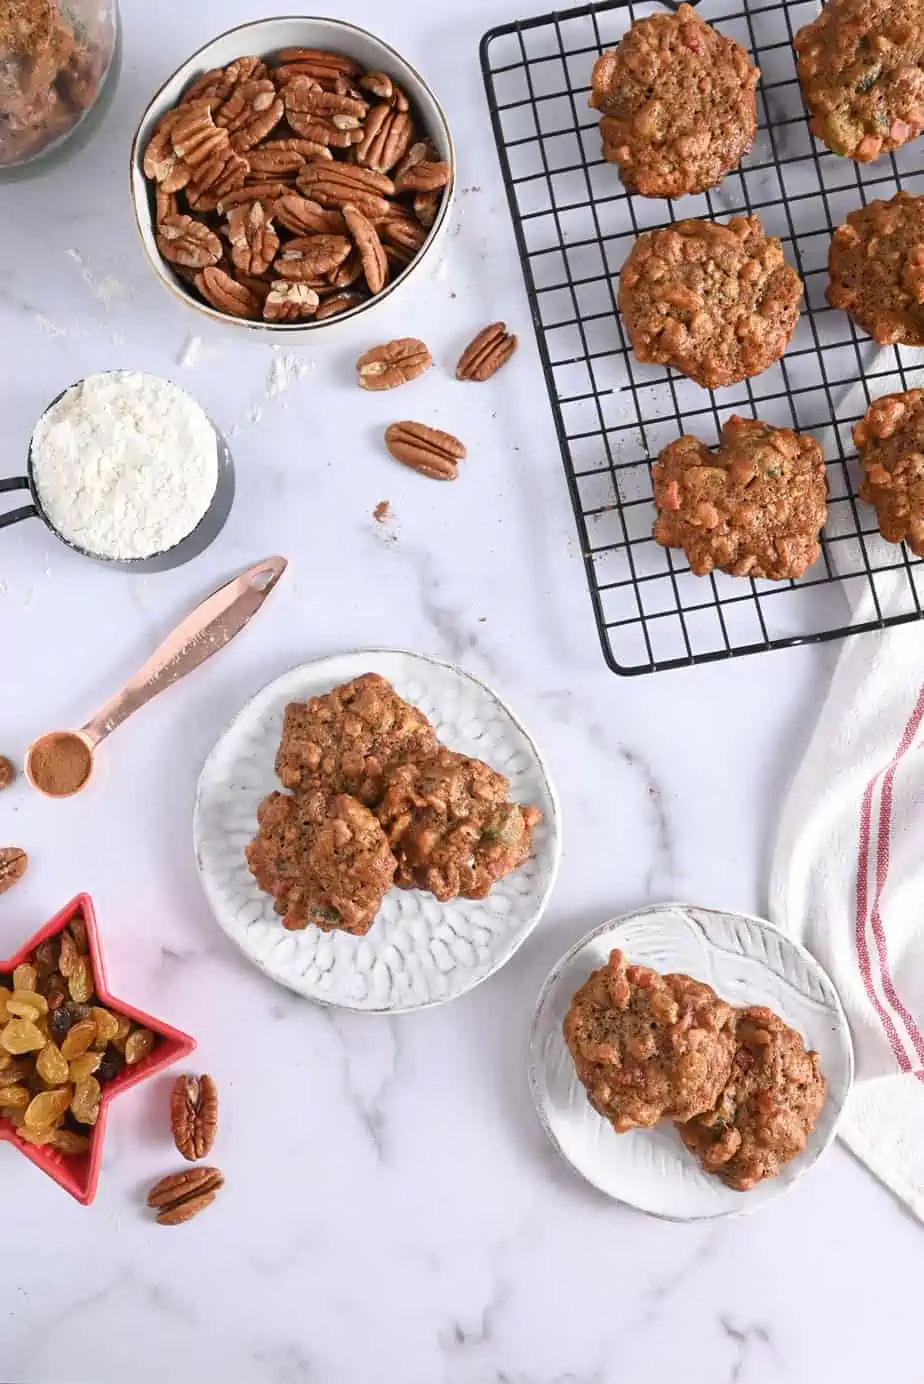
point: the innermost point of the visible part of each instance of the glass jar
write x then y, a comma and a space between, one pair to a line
59, 62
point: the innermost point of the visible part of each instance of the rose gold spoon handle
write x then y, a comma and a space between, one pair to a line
211, 626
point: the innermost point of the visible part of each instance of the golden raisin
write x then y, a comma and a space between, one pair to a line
68, 956
14, 1098
22, 1036
107, 1027
25, 977
78, 1039
85, 1102
46, 1109
27, 1004
138, 1046
51, 1065
68, 1142
80, 982
85, 1066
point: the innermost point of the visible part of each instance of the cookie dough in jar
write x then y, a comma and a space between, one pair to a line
58, 67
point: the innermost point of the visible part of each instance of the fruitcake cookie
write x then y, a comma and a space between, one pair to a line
876, 269
717, 302
345, 740
678, 102
767, 1109
451, 826
890, 439
324, 860
753, 507
860, 67
648, 1046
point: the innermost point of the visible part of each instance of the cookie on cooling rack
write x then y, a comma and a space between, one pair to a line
345, 740
876, 269
678, 103
646, 1046
861, 68
754, 507
451, 826
767, 1108
890, 439
716, 301
325, 861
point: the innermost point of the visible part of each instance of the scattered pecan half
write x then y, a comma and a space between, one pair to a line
180, 1196
7, 772
194, 1115
13, 865
483, 357
428, 450
395, 363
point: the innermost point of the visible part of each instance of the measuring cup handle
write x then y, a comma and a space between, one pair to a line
15, 515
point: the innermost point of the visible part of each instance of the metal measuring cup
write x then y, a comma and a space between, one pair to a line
195, 542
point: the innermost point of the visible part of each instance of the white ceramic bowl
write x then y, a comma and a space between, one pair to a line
262, 38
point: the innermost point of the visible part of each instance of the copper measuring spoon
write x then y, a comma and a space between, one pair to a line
211, 626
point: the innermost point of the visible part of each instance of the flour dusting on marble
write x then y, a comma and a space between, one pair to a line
106, 288
285, 371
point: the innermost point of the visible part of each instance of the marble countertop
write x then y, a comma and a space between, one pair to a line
392, 1210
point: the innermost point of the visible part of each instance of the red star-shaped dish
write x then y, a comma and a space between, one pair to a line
79, 1174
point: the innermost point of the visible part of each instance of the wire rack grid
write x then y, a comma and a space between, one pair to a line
575, 224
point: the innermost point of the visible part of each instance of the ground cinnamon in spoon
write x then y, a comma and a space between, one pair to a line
60, 764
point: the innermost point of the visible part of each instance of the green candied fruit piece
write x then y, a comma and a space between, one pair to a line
841, 133
870, 78
505, 827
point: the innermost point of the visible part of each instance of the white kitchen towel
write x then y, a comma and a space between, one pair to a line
847, 878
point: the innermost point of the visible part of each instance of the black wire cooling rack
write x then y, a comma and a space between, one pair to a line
575, 224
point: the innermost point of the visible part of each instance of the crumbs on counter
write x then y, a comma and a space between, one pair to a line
380, 514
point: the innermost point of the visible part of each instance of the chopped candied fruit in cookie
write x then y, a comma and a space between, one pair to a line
648, 1047
678, 102
767, 1108
754, 507
451, 826
716, 301
890, 439
346, 740
324, 860
876, 269
861, 67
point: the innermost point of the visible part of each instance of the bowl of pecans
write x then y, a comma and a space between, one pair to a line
68, 1048
293, 171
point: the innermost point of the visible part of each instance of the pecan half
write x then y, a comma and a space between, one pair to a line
255, 192
180, 1196
226, 294
7, 772
387, 135
220, 82
165, 204
425, 176
277, 157
428, 450
395, 363
426, 205
161, 164
182, 240
341, 302
318, 63
195, 136
13, 865
250, 113
310, 257
332, 184
194, 1115
483, 357
304, 217
290, 302
254, 242
375, 263
403, 234
382, 86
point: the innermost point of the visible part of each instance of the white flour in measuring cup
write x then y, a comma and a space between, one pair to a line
125, 465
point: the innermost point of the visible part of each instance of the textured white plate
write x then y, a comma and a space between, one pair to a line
418, 952
747, 962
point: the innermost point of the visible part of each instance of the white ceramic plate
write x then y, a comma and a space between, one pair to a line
265, 37
747, 961
418, 952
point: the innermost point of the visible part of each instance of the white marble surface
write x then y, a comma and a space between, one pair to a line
392, 1210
